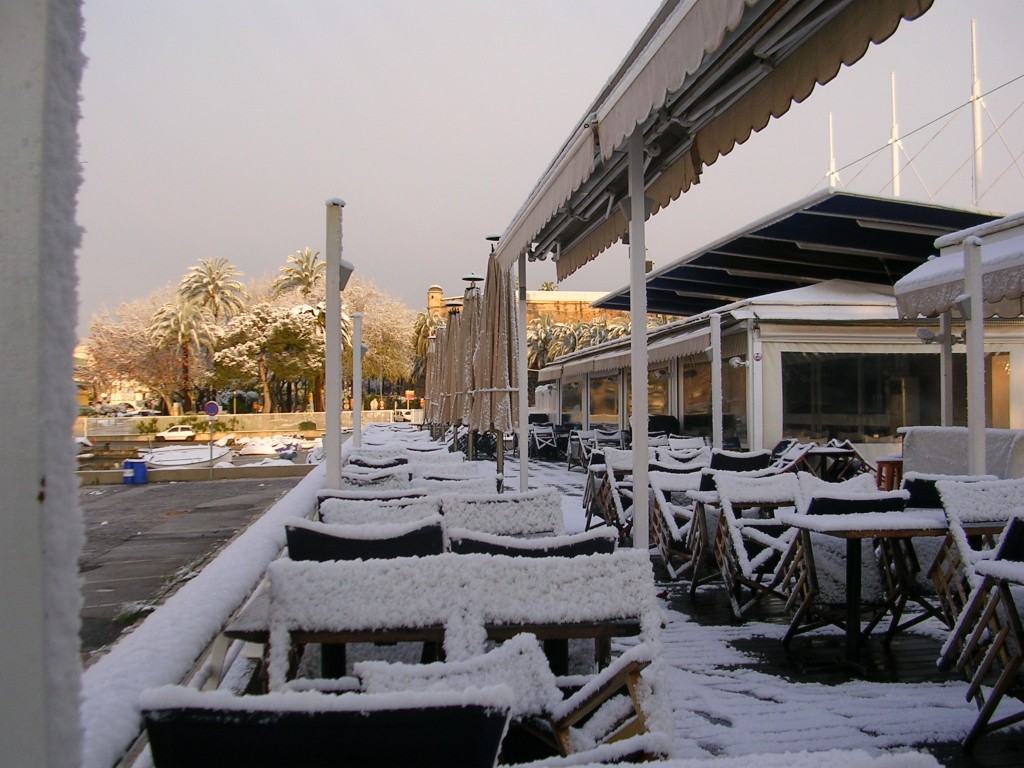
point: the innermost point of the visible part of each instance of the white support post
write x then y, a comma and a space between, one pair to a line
716, 381
332, 346
946, 369
975, 357
40, 597
638, 338
755, 387
357, 378
524, 397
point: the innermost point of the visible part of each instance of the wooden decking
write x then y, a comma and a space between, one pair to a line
816, 658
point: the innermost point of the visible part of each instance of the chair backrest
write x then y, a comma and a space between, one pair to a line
190, 728
740, 461
608, 437
812, 485
857, 503
944, 450
360, 511
681, 442
382, 463
922, 490
309, 540
596, 542
368, 494
778, 489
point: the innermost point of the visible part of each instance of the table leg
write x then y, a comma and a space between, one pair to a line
853, 558
557, 652
332, 660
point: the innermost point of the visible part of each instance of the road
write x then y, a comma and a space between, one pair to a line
143, 541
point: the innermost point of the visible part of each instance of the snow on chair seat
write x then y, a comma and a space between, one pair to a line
188, 728
521, 513
399, 510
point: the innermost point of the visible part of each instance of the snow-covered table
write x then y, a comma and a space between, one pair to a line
853, 528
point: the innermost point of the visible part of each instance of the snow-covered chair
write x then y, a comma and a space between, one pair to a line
580, 447
684, 443
671, 517
751, 545
542, 441
944, 450
399, 477
608, 707
987, 642
190, 728
614, 505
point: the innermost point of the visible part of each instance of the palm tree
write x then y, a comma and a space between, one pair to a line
212, 284
304, 271
186, 326
423, 328
547, 285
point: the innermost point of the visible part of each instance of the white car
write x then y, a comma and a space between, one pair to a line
177, 432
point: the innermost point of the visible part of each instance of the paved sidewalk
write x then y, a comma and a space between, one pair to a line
143, 541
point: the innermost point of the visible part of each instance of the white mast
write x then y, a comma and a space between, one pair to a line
976, 109
894, 141
833, 174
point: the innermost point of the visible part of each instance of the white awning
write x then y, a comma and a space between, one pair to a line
723, 68
679, 346
549, 373
937, 285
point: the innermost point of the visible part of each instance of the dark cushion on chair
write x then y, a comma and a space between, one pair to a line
923, 493
830, 505
431, 736
362, 461
733, 461
511, 546
1011, 545
307, 543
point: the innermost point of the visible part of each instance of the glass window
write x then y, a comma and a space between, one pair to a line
657, 391
867, 397
572, 403
604, 401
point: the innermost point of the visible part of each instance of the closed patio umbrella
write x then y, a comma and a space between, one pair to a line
496, 362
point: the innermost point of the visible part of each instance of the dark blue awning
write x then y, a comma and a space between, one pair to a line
832, 235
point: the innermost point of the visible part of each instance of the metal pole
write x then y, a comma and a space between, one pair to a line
638, 337
524, 398
332, 348
716, 381
975, 357
357, 378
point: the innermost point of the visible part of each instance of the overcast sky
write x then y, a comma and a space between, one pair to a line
220, 128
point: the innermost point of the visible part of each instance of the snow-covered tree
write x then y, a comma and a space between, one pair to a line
213, 284
304, 272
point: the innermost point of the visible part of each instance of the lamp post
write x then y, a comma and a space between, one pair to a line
338, 273
358, 350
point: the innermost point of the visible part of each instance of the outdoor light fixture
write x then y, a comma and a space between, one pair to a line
493, 239
453, 306
472, 278
738, 362
928, 336
345, 270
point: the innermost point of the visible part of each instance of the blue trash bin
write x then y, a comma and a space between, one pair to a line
135, 472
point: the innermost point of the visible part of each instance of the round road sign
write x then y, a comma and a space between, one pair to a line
212, 409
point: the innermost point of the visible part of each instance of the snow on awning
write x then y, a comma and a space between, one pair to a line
549, 373
702, 76
937, 285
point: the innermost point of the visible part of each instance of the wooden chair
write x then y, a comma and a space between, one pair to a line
976, 512
539, 707
188, 728
615, 493
671, 517
579, 448
542, 441
751, 549
987, 642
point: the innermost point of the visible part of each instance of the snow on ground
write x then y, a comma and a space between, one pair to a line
721, 706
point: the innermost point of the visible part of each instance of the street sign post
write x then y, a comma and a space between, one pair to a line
212, 408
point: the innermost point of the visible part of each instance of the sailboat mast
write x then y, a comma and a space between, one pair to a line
976, 109
894, 141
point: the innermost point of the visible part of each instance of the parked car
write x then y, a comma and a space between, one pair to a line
177, 432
